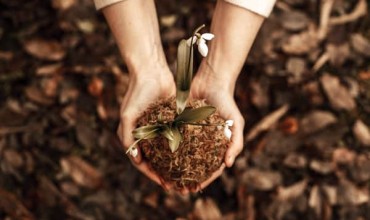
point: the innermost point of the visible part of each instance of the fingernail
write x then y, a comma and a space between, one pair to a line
134, 152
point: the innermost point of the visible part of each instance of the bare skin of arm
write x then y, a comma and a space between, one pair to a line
135, 27
235, 29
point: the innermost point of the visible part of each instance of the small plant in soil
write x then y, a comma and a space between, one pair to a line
183, 141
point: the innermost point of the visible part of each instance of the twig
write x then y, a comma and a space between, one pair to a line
359, 11
321, 62
283, 6
326, 8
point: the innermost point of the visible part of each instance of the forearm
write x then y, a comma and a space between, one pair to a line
235, 29
134, 25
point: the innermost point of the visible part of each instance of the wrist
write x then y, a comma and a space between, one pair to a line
219, 78
152, 73
151, 61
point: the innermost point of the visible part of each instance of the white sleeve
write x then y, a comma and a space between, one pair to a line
261, 7
99, 4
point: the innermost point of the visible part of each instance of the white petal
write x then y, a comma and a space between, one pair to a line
134, 152
207, 36
227, 132
201, 41
191, 40
203, 49
229, 123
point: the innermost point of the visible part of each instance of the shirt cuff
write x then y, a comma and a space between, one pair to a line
99, 4
261, 7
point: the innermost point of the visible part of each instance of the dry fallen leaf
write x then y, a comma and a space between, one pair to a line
296, 67
13, 158
261, 180
70, 188
313, 92
259, 94
364, 75
362, 133
50, 85
291, 192
168, 20
343, 156
316, 120
266, 123
152, 199
294, 20
86, 26
360, 44
86, 135
13, 207
338, 95
50, 69
63, 4
302, 43
81, 172
360, 170
45, 49
206, 209
6, 55
173, 35
350, 194
322, 167
338, 54
315, 200
37, 96
330, 193
296, 161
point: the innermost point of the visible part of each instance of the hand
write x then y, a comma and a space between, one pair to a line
153, 82
219, 94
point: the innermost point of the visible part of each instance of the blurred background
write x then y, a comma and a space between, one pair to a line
304, 91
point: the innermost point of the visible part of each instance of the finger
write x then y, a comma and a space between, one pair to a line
184, 191
236, 145
214, 176
145, 169
128, 125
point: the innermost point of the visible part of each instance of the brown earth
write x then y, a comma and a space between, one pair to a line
304, 91
200, 153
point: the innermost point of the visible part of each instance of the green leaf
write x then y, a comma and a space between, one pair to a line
167, 133
177, 138
147, 132
184, 74
195, 115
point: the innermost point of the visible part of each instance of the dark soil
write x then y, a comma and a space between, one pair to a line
200, 153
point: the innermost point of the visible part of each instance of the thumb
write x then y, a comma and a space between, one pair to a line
236, 145
128, 124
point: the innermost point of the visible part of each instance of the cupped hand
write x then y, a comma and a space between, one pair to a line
144, 89
218, 94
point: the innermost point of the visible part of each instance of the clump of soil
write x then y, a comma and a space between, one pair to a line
200, 153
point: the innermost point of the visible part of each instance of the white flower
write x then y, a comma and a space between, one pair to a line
201, 42
133, 151
229, 123
227, 131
